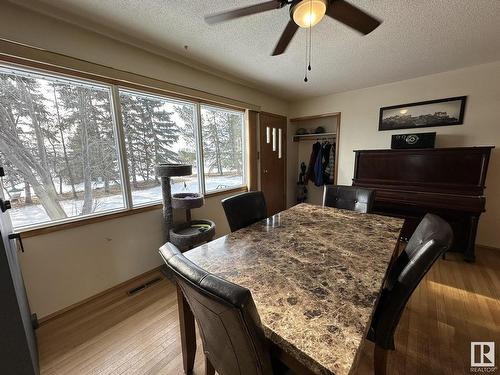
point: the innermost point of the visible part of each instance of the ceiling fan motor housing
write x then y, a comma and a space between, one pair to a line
307, 13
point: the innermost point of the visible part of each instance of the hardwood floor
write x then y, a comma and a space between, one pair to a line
119, 334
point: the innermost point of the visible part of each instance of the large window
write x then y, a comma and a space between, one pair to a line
157, 130
58, 144
224, 164
66, 150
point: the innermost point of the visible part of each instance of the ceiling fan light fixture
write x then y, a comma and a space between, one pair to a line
308, 13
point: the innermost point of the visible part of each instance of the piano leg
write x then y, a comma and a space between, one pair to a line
470, 250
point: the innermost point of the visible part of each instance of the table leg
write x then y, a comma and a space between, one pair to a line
209, 369
188, 332
379, 360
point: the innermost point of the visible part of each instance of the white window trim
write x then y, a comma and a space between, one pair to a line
121, 147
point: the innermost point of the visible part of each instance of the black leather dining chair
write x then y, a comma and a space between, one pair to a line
348, 198
431, 239
228, 321
244, 209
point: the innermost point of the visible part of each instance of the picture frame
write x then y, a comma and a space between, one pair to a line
430, 113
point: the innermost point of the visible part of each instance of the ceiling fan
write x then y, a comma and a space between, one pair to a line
305, 14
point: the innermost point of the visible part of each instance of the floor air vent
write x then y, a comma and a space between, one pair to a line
147, 284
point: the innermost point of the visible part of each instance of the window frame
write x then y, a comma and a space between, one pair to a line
57, 77
114, 86
197, 136
244, 151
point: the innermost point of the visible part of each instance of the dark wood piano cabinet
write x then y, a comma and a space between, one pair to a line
449, 182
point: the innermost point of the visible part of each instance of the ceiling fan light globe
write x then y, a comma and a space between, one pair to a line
308, 13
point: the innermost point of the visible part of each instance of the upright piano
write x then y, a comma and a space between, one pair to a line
409, 183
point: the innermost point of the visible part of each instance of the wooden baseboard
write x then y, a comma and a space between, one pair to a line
126, 285
485, 247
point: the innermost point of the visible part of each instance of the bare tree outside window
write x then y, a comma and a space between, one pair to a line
57, 141
157, 130
223, 151
60, 148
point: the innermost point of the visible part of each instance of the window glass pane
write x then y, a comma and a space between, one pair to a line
223, 151
157, 130
58, 145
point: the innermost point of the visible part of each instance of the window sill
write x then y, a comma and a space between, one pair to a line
49, 228
216, 193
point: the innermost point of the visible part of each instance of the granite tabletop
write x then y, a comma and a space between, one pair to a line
314, 273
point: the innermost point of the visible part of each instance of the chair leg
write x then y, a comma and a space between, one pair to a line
209, 369
380, 361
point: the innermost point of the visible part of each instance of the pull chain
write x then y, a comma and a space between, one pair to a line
307, 57
310, 45
308, 41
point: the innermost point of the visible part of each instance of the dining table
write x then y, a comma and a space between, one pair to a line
315, 274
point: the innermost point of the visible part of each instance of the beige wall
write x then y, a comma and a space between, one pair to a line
65, 267
359, 123
68, 266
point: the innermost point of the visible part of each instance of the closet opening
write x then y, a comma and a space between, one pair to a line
316, 143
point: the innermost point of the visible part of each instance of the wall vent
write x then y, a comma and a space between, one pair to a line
141, 287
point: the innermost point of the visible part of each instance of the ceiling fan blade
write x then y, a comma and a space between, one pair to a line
286, 38
242, 12
352, 16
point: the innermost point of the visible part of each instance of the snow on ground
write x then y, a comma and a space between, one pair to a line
35, 214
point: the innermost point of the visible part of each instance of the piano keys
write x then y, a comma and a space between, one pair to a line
449, 182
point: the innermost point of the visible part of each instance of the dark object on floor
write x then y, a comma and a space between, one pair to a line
448, 182
348, 198
431, 239
244, 209
230, 327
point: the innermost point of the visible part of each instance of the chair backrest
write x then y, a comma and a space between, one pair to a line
244, 209
349, 198
229, 325
430, 240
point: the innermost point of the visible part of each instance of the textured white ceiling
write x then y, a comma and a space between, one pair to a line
417, 37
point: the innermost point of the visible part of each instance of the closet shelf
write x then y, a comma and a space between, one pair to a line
315, 136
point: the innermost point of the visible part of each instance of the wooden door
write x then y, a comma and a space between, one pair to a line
273, 161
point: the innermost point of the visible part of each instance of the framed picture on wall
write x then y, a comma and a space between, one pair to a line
440, 112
